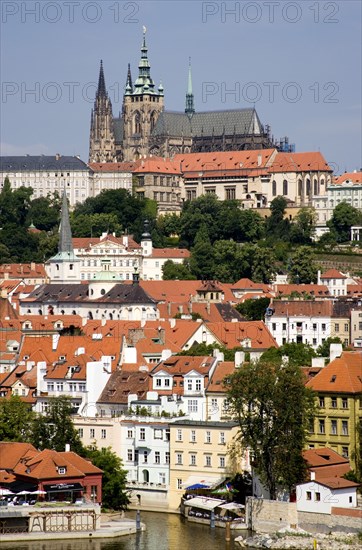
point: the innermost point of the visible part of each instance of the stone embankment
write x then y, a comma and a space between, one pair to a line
297, 539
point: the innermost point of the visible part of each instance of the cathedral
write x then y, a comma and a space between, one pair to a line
145, 128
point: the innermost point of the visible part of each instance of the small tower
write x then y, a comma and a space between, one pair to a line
102, 141
64, 267
190, 108
146, 240
142, 105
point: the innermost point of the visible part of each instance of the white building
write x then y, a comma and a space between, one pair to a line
307, 322
48, 175
321, 496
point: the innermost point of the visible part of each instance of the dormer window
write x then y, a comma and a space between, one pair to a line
62, 470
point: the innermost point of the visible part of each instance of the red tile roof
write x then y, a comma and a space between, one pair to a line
113, 166
305, 308
333, 274
234, 334
343, 375
12, 452
349, 177
170, 253
300, 162
87, 243
223, 369
157, 165
19, 271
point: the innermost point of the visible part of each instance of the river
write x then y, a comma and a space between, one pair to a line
163, 532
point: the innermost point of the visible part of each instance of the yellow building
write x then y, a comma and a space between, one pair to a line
200, 453
339, 394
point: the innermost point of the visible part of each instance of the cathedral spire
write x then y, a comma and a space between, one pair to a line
190, 109
65, 237
101, 82
129, 85
144, 82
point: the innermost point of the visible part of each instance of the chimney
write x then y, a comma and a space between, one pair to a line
259, 159
239, 359
335, 350
312, 476
67, 448
57, 156
55, 341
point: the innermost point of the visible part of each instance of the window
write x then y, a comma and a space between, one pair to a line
157, 434
103, 433
167, 457
179, 459
323, 326
214, 406
192, 405
285, 187
311, 426
198, 385
189, 385
62, 470
207, 437
208, 461
321, 427
162, 478
60, 386
346, 327
317, 496
309, 495
222, 462
179, 484
129, 433
193, 436
222, 438
193, 460
321, 402
344, 402
50, 386
336, 327
158, 382
230, 194
274, 188
157, 457
130, 455
179, 435
142, 434
334, 402
145, 457
345, 452
92, 432
334, 427
344, 427
80, 432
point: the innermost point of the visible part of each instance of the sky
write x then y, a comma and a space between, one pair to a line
299, 63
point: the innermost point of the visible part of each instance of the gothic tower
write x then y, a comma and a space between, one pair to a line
102, 142
64, 267
142, 105
189, 108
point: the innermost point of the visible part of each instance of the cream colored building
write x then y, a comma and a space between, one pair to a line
200, 452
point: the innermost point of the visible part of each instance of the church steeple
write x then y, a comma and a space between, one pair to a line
190, 109
102, 139
129, 85
144, 82
101, 82
65, 234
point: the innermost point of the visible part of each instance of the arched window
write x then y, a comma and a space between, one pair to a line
137, 123
152, 120
285, 187
308, 188
274, 188
315, 187
300, 188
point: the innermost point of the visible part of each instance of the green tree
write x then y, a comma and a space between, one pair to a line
22, 244
299, 354
344, 216
44, 212
253, 309
263, 265
202, 212
303, 268
227, 257
274, 409
202, 256
173, 271
323, 350
277, 226
304, 226
114, 492
16, 420
85, 225
55, 428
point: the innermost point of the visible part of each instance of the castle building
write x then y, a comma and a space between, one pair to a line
145, 128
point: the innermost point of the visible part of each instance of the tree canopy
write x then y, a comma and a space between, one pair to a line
16, 420
114, 492
274, 410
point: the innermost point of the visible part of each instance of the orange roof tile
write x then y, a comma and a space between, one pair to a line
158, 165
222, 370
113, 166
305, 308
343, 375
170, 253
333, 274
11, 453
349, 177
300, 162
234, 334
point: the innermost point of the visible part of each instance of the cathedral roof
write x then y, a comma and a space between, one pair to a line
47, 163
217, 123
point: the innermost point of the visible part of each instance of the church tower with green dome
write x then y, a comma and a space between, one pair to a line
142, 105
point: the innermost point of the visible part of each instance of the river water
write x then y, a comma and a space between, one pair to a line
163, 532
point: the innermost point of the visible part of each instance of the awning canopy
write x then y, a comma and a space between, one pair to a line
204, 503
232, 506
208, 482
63, 487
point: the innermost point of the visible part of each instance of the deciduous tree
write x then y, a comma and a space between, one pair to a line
114, 493
16, 420
274, 409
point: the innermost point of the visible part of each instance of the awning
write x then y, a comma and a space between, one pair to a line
208, 481
204, 503
232, 506
63, 487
